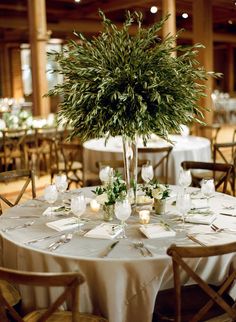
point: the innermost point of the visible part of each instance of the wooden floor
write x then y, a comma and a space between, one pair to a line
10, 189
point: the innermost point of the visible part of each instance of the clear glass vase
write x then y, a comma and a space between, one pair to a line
130, 156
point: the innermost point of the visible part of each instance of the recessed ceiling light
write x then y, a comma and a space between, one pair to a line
185, 15
154, 9
77, 0
230, 22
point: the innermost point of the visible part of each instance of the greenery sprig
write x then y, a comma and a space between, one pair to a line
154, 189
123, 84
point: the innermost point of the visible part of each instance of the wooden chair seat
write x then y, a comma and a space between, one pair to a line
9, 291
68, 285
62, 316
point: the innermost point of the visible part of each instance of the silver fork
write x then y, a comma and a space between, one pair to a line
143, 249
67, 238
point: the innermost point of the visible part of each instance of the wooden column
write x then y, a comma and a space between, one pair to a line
203, 33
168, 7
5, 71
230, 69
38, 41
16, 73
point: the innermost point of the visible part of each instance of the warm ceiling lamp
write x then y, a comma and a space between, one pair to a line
154, 9
77, 1
185, 15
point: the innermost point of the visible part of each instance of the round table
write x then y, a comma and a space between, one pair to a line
189, 148
122, 286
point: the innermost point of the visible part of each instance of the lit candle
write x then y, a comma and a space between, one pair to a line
95, 206
144, 216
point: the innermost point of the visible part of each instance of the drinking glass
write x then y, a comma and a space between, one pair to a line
185, 178
122, 212
105, 174
50, 195
183, 204
61, 184
147, 172
207, 189
78, 206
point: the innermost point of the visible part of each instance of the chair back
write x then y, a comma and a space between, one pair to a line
13, 149
161, 155
211, 131
26, 175
70, 281
226, 152
180, 260
224, 169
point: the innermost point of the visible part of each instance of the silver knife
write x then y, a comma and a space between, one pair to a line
32, 241
108, 249
227, 214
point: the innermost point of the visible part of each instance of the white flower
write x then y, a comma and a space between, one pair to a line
102, 199
158, 192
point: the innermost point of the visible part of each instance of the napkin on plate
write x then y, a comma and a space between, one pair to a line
199, 203
104, 230
214, 238
63, 224
200, 218
157, 231
55, 211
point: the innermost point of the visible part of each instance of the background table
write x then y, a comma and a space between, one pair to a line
190, 148
122, 286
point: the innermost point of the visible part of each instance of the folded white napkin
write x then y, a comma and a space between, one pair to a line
199, 203
104, 230
63, 224
157, 231
54, 210
215, 238
200, 218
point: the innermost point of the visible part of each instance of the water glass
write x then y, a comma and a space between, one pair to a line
183, 204
122, 212
78, 207
105, 174
50, 195
147, 172
185, 178
207, 189
61, 184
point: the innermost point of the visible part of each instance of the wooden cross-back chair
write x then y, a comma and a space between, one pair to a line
200, 301
210, 168
13, 149
68, 158
37, 148
70, 282
226, 152
162, 162
214, 130
119, 165
28, 178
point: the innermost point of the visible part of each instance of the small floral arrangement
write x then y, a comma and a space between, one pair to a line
115, 190
154, 189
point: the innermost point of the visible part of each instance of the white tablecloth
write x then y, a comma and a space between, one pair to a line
190, 148
121, 286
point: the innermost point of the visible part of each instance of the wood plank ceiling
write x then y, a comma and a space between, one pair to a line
64, 16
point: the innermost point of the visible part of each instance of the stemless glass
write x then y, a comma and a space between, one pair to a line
147, 172
207, 189
50, 195
122, 212
183, 204
78, 206
185, 178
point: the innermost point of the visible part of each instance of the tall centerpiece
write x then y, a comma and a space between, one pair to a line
129, 85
